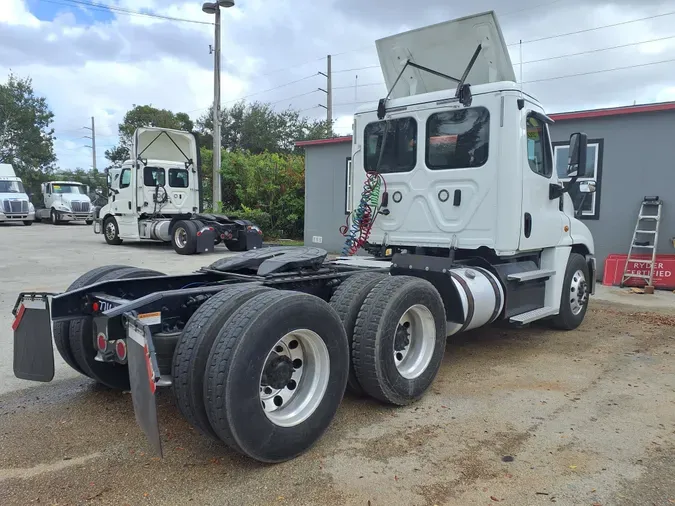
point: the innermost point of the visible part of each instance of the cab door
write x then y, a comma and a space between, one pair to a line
541, 218
123, 205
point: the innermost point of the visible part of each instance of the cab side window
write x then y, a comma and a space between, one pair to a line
539, 154
125, 178
153, 176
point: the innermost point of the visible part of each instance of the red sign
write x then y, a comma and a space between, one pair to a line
664, 270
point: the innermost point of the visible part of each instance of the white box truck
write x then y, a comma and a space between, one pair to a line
15, 206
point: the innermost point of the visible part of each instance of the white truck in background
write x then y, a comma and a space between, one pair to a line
15, 206
65, 201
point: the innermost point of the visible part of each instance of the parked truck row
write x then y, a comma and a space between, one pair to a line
154, 196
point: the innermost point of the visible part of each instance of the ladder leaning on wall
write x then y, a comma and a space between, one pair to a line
650, 213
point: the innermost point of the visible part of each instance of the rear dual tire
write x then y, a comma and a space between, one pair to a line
399, 340
274, 375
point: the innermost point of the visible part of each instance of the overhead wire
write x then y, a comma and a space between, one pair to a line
122, 10
592, 72
586, 30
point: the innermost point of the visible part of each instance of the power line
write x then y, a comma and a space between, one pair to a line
353, 70
599, 71
549, 37
596, 50
295, 96
351, 87
271, 89
121, 10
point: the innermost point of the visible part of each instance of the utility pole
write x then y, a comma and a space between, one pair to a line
329, 99
329, 95
214, 8
93, 141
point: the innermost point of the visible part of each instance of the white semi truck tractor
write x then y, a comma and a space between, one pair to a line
65, 201
15, 206
466, 222
157, 196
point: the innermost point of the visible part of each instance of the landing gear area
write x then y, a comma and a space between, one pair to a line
257, 347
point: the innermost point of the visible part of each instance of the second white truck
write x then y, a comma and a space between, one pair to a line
65, 201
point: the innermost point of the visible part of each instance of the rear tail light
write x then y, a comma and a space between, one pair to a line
101, 342
121, 349
95, 307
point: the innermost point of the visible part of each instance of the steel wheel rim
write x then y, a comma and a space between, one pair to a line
54, 219
414, 341
303, 390
578, 292
180, 237
110, 231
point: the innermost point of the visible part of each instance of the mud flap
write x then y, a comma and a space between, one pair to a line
143, 376
33, 351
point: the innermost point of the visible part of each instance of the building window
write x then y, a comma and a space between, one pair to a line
178, 178
125, 178
538, 150
153, 176
458, 139
589, 203
349, 193
400, 146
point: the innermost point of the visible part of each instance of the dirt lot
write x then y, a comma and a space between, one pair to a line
521, 417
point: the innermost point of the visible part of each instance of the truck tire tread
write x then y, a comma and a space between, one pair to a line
112, 375
565, 319
347, 301
375, 327
61, 329
193, 349
243, 428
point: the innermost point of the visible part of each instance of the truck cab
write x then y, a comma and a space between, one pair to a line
65, 201
15, 206
156, 195
458, 163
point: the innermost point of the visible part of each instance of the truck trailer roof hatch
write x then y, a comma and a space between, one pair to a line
446, 48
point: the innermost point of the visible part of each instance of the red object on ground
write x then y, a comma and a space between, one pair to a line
664, 271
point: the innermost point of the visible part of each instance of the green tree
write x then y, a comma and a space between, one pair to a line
269, 189
26, 138
145, 116
257, 127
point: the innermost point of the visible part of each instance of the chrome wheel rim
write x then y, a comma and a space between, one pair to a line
578, 292
294, 378
54, 218
110, 231
414, 341
180, 237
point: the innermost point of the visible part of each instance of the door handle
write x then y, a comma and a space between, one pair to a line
129, 204
457, 199
528, 224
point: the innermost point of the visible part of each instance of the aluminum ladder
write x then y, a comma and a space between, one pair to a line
647, 232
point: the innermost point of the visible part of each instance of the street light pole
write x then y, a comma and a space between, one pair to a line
214, 8
217, 190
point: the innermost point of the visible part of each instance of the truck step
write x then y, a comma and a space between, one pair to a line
534, 315
530, 275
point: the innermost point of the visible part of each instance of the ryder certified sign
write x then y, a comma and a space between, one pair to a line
664, 270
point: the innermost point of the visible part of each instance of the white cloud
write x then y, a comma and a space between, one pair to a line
104, 68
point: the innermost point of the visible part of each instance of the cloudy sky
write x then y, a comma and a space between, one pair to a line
96, 61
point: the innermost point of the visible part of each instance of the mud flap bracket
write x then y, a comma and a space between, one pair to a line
143, 377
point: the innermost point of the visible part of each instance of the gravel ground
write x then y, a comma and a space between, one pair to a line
521, 417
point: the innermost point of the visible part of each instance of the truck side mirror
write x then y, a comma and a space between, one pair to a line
576, 164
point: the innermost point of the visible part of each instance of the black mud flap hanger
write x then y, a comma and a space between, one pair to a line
33, 351
143, 376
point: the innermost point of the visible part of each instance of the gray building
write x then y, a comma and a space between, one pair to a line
631, 154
